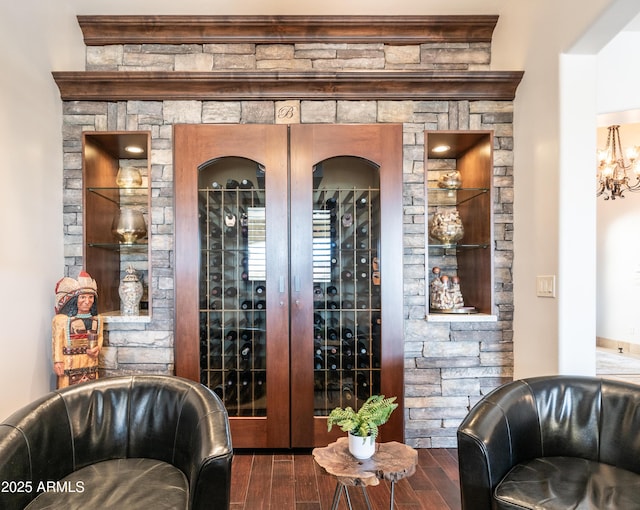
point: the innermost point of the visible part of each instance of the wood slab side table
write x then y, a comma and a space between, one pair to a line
392, 461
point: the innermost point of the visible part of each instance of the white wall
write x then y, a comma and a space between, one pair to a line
618, 263
618, 236
31, 251
548, 219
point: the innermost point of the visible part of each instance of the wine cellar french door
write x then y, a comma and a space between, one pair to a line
289, 273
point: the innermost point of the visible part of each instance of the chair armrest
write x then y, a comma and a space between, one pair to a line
501, 431
210, 463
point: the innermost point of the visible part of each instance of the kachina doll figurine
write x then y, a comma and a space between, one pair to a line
76, 330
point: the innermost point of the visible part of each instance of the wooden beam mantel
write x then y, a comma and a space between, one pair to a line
107, 30
281, 85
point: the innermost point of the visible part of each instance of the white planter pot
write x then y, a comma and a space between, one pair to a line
361, 447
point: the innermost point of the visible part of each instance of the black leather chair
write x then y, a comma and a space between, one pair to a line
148, 442
554, 442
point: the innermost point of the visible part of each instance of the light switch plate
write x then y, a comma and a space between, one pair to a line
546, 286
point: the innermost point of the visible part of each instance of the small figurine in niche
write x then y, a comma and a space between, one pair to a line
77, 330
444, 292
456, 295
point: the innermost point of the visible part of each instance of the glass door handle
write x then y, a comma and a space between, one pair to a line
281, 289
296, 288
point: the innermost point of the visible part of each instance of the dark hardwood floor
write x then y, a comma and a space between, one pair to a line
291, 480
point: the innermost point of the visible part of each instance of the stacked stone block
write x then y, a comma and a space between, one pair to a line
448, 366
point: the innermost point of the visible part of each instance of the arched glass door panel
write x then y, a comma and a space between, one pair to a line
232, 293
346, 282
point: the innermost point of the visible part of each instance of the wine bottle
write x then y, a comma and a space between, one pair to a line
347, 275
332, 290
347, 305
231, 292
362, 231
363, 361
332, 362
215, 292
230, 222
332, 334
362, 385
261, 304
232, 184
246, 335
347, 362
318, 362
244, 224
261, 290
231, 379
245, 378
247, 305
361, 348
245, 351
216, 277
318, 320
230, 382
361, 201
246, 184
331, 203
347, 393
218, 390
347, 334
245, 386
231, 335
259, 385
333, 305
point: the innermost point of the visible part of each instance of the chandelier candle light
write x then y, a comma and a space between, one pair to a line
612, 176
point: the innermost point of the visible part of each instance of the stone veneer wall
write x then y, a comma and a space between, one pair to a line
448, 366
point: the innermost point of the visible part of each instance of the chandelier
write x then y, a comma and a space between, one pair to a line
613, 180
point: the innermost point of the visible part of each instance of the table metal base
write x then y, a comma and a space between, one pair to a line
340, 487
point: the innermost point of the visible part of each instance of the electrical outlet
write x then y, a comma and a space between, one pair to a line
546, 286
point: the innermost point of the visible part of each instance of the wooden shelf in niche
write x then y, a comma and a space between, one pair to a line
105, 258
471, 258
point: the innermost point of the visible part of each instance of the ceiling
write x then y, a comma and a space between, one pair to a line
293, 7
634, 25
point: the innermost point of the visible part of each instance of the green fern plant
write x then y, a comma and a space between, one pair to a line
365, 422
